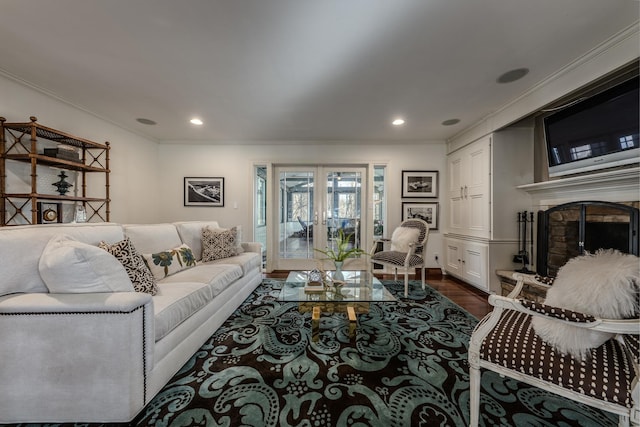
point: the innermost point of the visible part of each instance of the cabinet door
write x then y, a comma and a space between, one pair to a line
453, 257
476, 188
457, 222
474, 262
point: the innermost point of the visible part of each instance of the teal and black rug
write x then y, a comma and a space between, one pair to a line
407, 366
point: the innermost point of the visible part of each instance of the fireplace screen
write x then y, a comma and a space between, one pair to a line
568, 230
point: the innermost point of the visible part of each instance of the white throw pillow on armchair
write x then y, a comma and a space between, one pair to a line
403, 237
603, 284
69, 266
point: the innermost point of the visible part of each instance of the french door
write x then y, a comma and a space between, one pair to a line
313, 204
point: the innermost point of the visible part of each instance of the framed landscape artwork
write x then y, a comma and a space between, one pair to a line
419, 184
203, 191
425, 211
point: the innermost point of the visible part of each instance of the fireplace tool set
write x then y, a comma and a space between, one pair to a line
523, 233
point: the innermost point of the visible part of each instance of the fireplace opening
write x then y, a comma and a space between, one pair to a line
568, 230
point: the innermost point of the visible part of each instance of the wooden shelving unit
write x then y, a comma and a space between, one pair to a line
25, 142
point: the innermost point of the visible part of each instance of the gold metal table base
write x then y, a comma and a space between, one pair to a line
317, 308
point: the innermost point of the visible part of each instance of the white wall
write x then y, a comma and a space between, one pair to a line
235, 163
134, 179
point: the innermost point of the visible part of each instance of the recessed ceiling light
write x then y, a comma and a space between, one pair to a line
145, 121
196, 121
397, 122
512, 75
450, 122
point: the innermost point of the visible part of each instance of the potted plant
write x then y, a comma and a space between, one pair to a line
341, 252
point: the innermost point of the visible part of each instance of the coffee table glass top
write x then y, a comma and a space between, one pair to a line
359, 286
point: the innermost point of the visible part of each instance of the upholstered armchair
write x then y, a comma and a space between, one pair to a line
405, 250
605, 377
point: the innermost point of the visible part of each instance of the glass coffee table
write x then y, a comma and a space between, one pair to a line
353, 296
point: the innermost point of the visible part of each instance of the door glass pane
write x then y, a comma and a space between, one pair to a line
260, 209
379, 207
344, 195
296, 219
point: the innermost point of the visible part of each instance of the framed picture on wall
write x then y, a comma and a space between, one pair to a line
419, 184
425, 211
203, 191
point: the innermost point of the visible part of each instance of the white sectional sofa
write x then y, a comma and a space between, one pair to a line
101, 357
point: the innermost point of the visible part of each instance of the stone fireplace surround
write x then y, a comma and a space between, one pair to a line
616, 186
568, 230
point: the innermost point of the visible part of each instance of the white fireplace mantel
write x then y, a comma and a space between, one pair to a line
620, 185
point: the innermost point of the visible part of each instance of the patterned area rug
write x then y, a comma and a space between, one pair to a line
407, 366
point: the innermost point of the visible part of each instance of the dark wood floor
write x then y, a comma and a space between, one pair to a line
466, 296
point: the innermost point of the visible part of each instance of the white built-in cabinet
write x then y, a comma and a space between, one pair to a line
483, 204
469, 174
467, 260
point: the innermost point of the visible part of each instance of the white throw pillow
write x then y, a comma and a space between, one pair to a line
604, 284
402, 237
70, 266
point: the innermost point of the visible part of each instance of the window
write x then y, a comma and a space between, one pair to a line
626, 142
581, 152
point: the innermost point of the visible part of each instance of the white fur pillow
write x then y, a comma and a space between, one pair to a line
402, 237
604, 284
69, 266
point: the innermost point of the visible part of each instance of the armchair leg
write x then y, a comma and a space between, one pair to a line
474, 396
423, 272
406, 283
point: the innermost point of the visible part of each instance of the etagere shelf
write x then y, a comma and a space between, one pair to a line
38, 145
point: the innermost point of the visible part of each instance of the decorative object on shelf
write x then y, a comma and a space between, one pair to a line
523, 256
427, 212
62, 186
63, 153
204, 192
49, 213
81, 214
419, 184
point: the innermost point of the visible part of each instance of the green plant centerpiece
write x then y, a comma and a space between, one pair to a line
341, 252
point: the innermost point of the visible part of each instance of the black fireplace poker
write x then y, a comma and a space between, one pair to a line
523, 255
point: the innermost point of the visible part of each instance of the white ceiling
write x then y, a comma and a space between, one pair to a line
296, 69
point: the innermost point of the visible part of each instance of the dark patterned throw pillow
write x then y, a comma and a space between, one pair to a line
139, 273
218, 244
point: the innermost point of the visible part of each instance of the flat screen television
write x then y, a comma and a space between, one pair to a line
596, 133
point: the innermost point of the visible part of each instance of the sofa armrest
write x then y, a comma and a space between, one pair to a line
83, 354
252, 247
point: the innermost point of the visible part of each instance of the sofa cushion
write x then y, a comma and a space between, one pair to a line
218, 244
190, 233
186, 292
21, 247
133, 263
70, 266
247, 261
170, 261
152, 238
217, 276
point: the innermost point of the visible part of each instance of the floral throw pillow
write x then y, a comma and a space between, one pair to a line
218, 243
171, 261
131, 260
